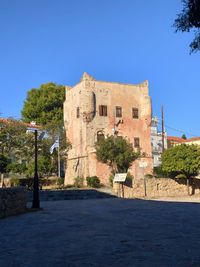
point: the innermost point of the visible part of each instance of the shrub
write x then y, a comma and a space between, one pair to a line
78, 182
148, 176
129, 176
60, 181
93, 181
15, 182
111, 178
180, 176
159, 173
27, 182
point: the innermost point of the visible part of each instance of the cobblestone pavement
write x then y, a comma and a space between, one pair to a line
103, 232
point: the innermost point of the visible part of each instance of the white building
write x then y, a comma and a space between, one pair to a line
156, 142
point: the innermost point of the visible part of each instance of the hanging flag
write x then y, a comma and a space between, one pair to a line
55, 145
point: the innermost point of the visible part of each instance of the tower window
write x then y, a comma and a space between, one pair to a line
102, 110
118, 112
137, 142
135, 113
77, 112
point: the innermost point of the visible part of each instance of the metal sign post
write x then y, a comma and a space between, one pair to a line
143, 165
120, 178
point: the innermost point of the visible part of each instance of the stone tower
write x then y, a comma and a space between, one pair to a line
94, 109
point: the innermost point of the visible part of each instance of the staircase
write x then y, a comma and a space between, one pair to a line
72, 194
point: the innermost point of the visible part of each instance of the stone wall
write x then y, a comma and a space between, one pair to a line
157, 187
12, 201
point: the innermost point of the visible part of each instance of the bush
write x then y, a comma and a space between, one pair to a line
93, 181
27, 182
129, 176
78, 182
111, 178
148, 176
159, 173
15, 182
60, 181
180, 176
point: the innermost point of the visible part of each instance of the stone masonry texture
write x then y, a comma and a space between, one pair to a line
83, 123
158, 187
12, 201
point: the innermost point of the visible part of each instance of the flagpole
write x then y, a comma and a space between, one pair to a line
59, 156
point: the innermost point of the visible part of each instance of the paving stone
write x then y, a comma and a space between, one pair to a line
103, 232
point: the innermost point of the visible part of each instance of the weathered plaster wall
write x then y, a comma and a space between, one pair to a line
82, 131
12, 201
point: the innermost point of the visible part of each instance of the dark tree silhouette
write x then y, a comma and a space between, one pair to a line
189, 19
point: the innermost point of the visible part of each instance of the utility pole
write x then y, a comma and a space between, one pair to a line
36, 201
163, 130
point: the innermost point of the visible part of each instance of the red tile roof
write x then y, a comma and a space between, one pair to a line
193, 139
176, 139
7, 121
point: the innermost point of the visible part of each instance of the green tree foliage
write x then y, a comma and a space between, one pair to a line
14, 142
45, 105
18, 146
182, 159
3, 163
117, 152
189, 19
184, 136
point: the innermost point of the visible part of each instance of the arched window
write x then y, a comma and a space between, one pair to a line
100, 136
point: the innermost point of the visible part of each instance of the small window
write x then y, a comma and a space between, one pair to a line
77, 112
136, 142
135, 113
100, 136
102, 110
118, 112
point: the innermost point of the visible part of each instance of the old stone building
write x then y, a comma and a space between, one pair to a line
94, 109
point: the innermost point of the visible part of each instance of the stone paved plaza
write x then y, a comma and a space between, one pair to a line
103, 232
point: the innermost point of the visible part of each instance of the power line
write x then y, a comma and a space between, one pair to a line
178, 130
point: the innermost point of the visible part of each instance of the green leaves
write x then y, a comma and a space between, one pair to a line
45, 105
3, 163
189, 19
116, 152
183, 159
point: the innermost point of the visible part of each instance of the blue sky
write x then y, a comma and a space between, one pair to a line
114, 40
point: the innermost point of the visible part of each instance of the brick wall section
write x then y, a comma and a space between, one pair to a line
12, 201
159, 187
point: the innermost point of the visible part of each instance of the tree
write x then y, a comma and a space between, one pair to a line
3, 166
117, 152
3, 163
45, 105
184, 137
182, 160
18, 146
189, 19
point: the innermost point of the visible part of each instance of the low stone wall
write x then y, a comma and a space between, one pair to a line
158, 187
12, 201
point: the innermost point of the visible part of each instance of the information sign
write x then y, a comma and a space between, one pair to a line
120, 177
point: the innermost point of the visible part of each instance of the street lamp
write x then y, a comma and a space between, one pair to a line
36, 200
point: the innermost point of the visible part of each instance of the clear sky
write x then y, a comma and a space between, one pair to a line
113, 40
